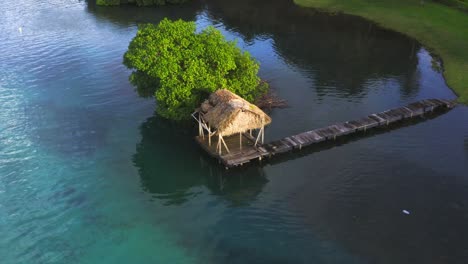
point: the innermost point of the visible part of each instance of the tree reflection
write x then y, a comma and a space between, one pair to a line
171, 167
341, 51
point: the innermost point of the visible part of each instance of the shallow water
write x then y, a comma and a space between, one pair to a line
88, 174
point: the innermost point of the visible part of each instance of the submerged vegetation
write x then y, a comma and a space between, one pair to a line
138, 2
180, 67
441, 28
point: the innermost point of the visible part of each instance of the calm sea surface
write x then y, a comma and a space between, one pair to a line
88, 173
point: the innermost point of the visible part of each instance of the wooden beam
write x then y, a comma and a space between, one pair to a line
258, 137
200, 128
263, 134
224, 143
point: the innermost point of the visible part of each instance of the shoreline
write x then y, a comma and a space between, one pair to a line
445, 37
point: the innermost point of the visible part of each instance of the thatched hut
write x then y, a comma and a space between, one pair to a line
225, 113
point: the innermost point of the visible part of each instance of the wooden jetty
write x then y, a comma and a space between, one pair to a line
250, 149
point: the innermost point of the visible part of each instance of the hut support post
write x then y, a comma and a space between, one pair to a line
220, 144
262, 130
258, 137
263, 134
240, 140
224, 143
200, 128
209, 136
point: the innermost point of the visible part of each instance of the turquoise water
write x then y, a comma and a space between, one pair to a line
88, 173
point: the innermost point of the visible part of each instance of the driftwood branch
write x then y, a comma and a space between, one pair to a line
270, 100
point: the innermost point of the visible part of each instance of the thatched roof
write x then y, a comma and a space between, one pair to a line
229, 114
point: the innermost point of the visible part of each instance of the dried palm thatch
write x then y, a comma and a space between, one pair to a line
229, 114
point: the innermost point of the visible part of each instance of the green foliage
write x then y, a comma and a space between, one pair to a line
182, 66
139, 2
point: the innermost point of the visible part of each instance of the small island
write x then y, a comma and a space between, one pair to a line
204, 76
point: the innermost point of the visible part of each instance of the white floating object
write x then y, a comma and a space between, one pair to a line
20, 29
406, 212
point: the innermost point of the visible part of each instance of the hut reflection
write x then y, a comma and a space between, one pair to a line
171, 167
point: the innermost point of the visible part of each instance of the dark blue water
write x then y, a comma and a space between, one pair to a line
88, 173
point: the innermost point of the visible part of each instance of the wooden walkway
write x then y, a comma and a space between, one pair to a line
239, 156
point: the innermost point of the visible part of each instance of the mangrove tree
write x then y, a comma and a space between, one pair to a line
180, 66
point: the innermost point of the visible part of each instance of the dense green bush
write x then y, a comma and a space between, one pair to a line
180, 67
138, 2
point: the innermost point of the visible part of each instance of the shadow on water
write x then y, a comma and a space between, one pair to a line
341, 51
170, 165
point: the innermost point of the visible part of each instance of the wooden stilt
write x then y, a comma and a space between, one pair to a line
240, 140
224, 143
200, 128
258, 137
209, 136
262, 130
218, 146
263, 134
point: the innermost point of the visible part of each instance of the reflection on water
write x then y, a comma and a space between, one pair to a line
167, 152
88, 174
133, 15
342, 52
